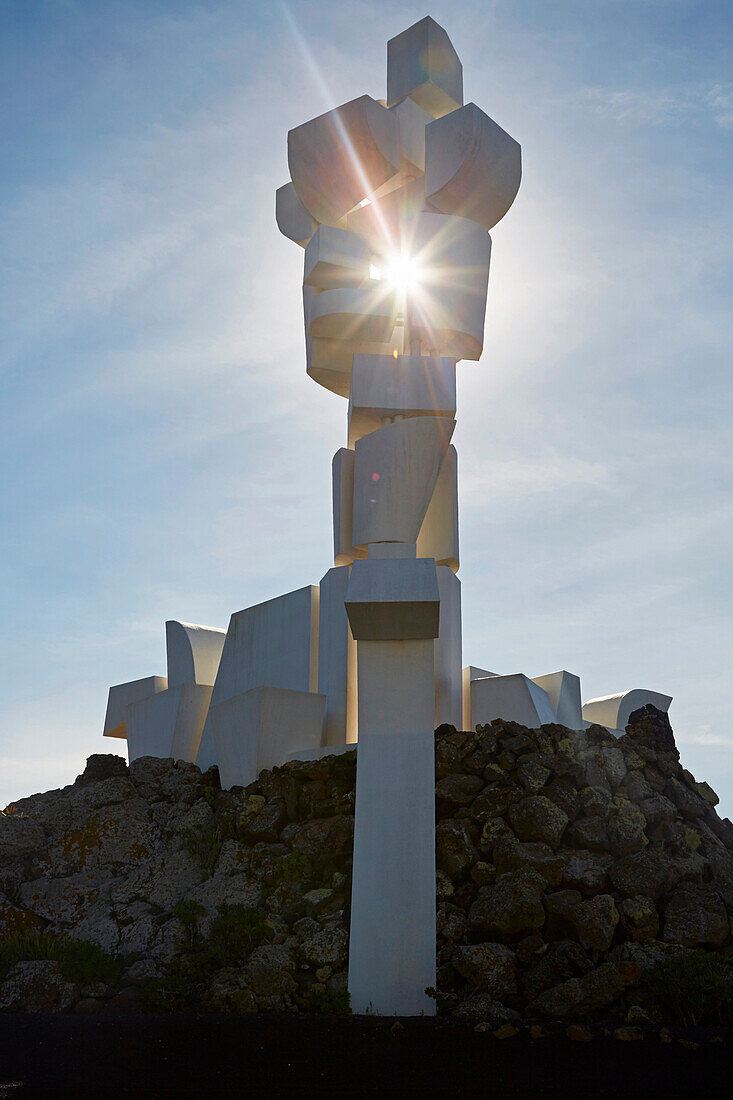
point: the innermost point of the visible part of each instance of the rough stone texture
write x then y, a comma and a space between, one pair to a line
490, 967
568, 864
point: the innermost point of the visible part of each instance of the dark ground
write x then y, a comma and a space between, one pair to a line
269, 1056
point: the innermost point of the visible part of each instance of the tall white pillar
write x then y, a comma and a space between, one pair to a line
393, 606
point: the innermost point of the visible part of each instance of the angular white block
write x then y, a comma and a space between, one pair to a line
261, 728
293, 220
342, 481
438, 536
392, 941
335, 258
613, 711
393, 598
328, 362
341, 157
412, 120
422, 64
121, 695
168, 724
563, 691
385, 222
395, 472
273, 644
473, 168
335, 652
409, 385
193, 653
515, 698
449, 652
471, 673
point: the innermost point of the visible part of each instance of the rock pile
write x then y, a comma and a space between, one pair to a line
570, 864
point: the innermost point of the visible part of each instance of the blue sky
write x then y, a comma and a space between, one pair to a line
164, 454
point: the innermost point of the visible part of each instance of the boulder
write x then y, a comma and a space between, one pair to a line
537, 818
454, 848
512, 906
490, 967
583, 997
37, 987
695, 915
322, 840
458, 789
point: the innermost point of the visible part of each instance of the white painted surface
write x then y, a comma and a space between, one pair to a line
342, 481
261, 728
193, 653
469, 674
412, 120
353, 313
168, 724
392, 598
423, 64
449, 652
293, 220
613, 711
473, 168
409, 385
335, 258
273, 644
392, 943
454, 255
515, 698
121, 695
332, 175
438, 536
333, 657
395, 471
563, 691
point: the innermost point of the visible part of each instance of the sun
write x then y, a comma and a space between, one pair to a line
403, 272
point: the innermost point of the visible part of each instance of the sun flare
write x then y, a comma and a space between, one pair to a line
403, 272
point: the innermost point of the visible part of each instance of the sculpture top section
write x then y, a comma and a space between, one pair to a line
390, 192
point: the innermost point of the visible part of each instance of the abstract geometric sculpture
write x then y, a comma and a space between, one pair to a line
391, 201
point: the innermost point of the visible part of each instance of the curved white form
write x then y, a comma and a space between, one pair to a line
473, 168
193, 653
330, 174
352, 313
293, 220
395, 472
613, 711
438, 536
335, 258
448, 307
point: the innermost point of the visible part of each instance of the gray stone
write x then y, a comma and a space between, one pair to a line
512, 906
537, 818
455, 851
491, 967
695, 915
37, 987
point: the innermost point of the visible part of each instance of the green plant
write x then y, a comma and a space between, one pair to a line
204, 845
291, 868
692, 988
80, 961
327, 1002
210, 796
189, 913
235, 931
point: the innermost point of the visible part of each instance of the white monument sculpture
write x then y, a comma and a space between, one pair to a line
392, 201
